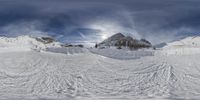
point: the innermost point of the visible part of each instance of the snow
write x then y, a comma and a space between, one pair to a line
95, 74
186, 42
23, 43
68, 50
122, 54
187, 46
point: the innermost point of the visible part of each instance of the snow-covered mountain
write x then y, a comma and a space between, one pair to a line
188, 45
186, 42
26, 43
112, 40
119, 40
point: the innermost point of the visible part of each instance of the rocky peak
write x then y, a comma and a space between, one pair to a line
119, 40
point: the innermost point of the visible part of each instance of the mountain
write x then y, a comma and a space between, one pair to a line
119, 40
186, 46
192, 41
160, 45
111, 41
27, 43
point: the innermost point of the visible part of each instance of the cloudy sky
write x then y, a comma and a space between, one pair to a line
90, 21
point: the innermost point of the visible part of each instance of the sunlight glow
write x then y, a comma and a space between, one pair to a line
104, 36
109, 27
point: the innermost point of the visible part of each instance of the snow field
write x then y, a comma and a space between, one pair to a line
75, 73
56, 75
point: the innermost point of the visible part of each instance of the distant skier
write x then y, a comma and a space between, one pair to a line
96, 45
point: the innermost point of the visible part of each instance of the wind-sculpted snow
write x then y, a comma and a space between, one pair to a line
47, 75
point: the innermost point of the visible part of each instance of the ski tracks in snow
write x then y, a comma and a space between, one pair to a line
55, 75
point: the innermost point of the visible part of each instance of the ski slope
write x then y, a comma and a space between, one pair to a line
78, 74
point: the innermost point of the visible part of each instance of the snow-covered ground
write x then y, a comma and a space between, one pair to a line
68, 50
78, 74
122, 54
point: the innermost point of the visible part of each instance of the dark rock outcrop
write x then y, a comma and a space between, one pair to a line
45, 40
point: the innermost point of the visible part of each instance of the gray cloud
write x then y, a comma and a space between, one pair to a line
90, 20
